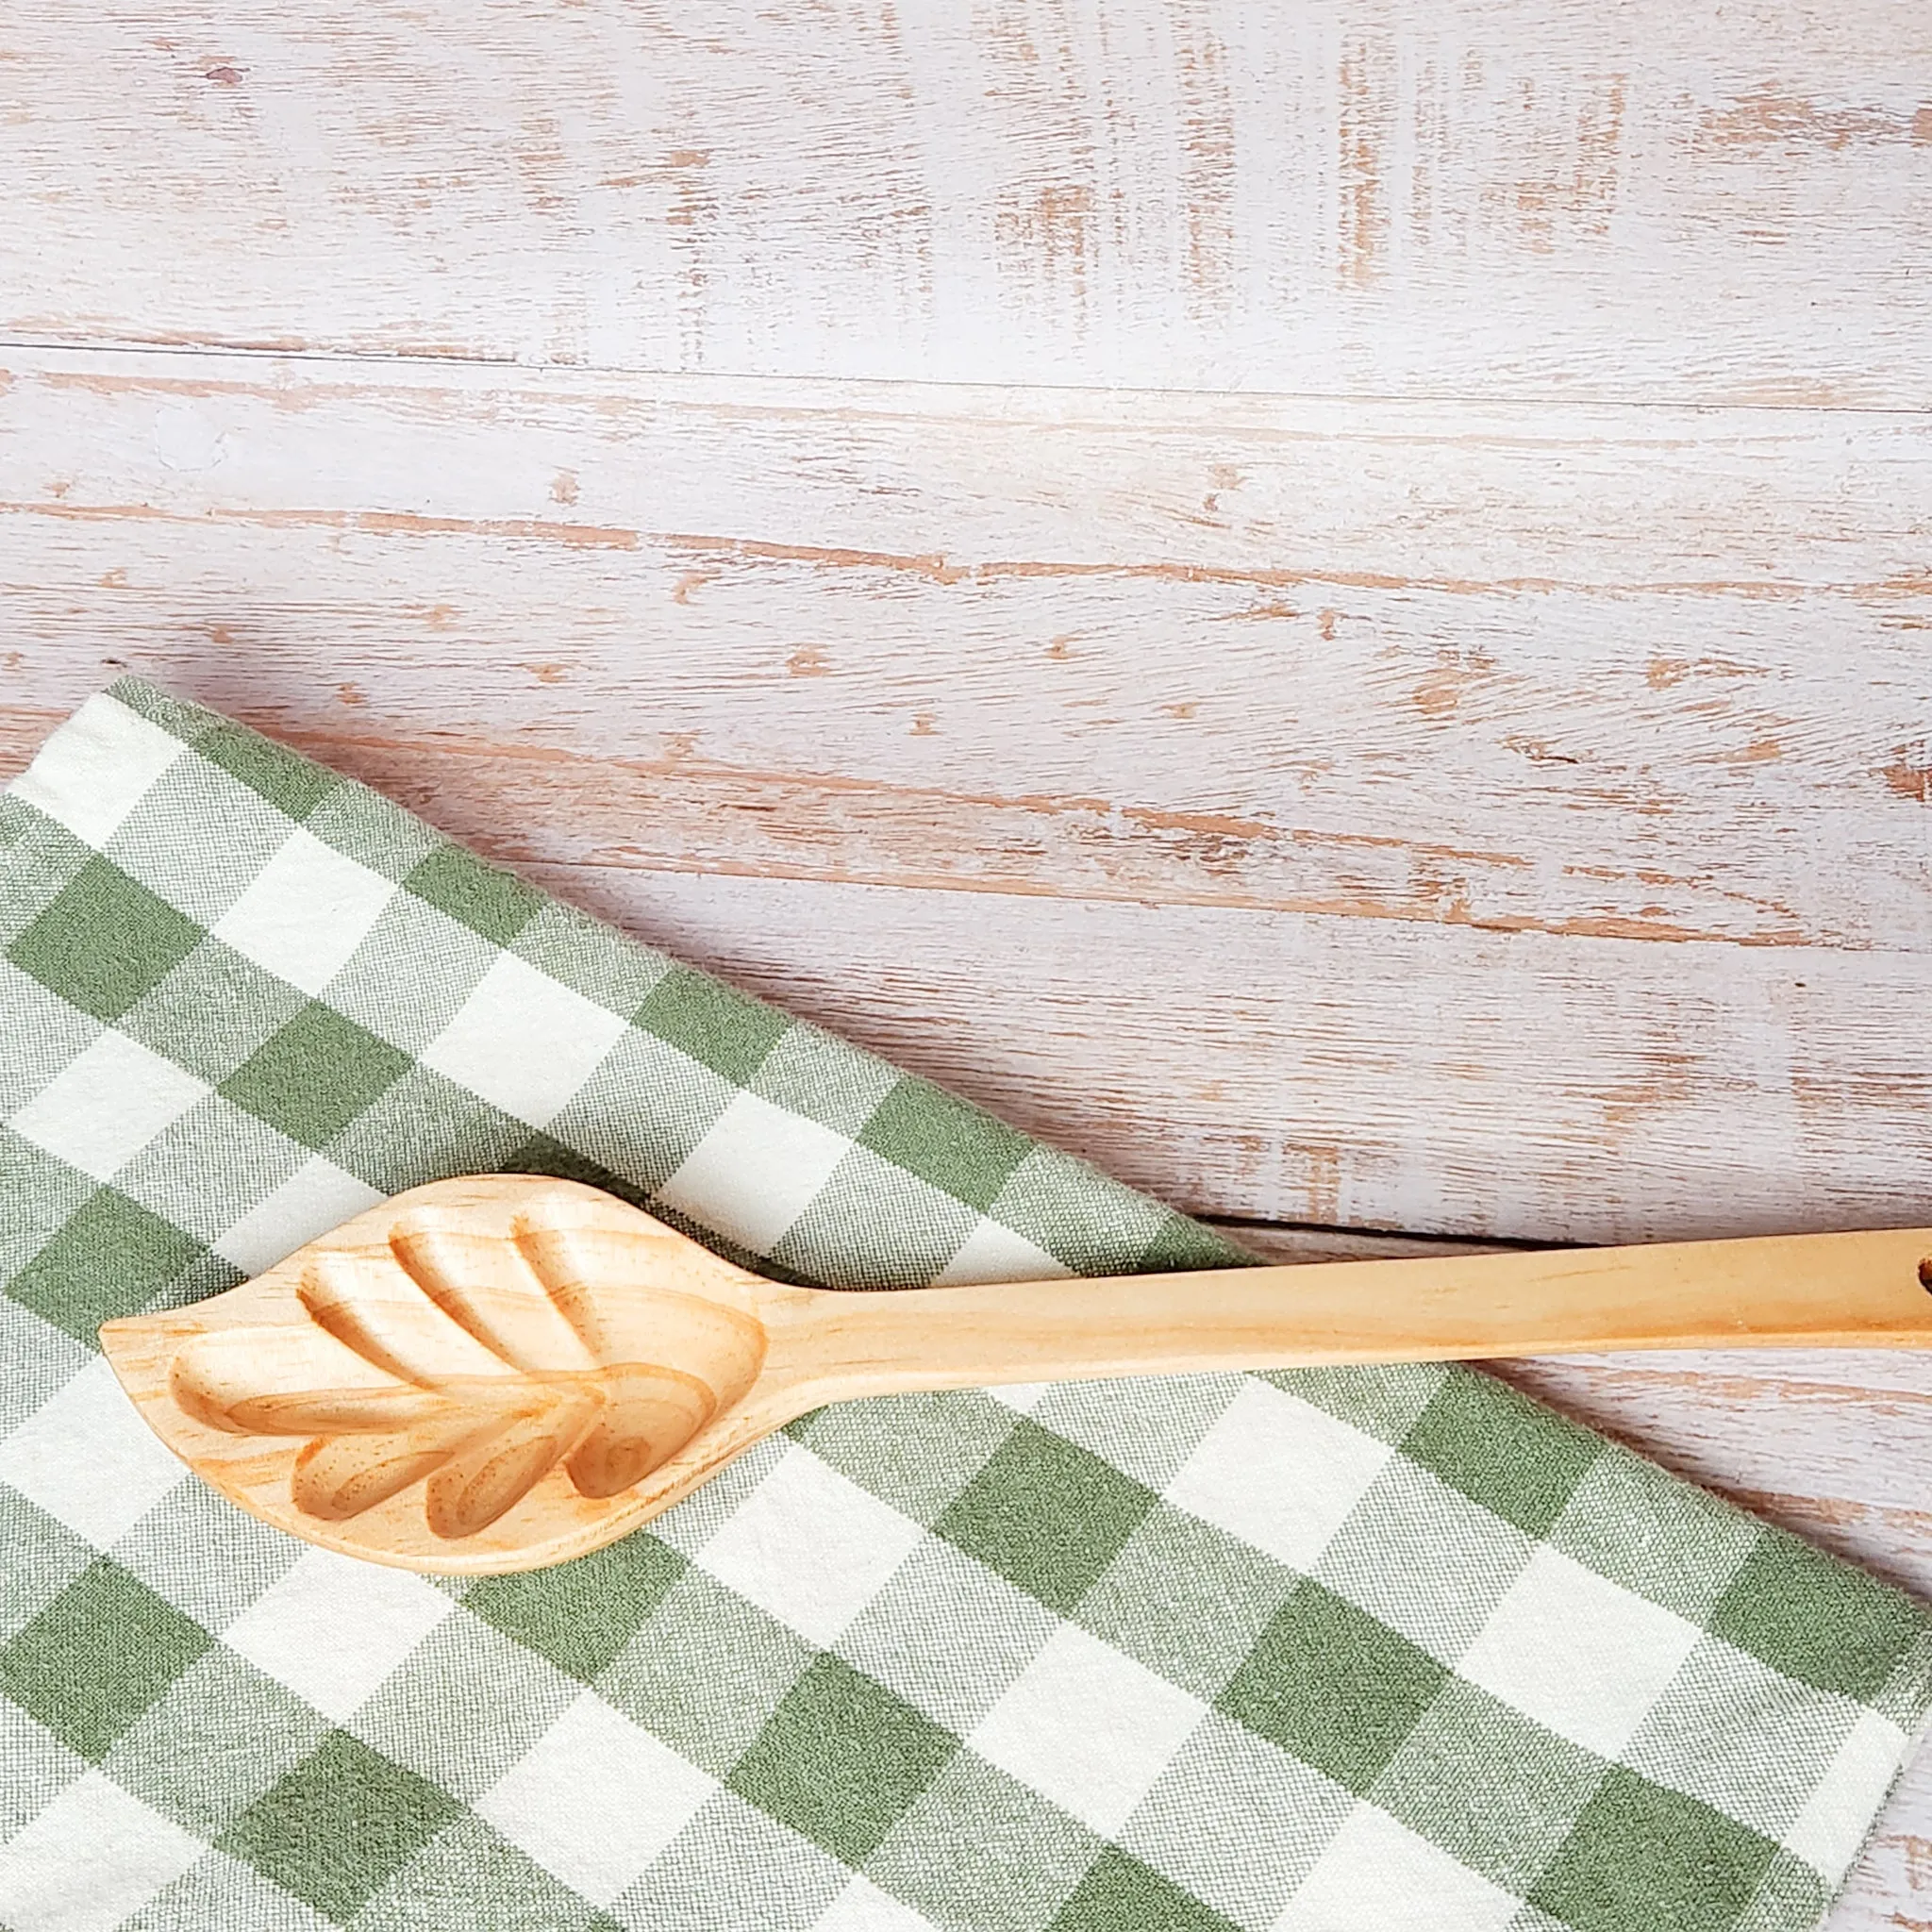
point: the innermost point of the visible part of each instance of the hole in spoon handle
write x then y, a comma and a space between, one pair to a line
1926, 1274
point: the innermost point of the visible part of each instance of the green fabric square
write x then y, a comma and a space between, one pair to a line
1643, 1527
1121, 1895
314, 1076
580, 1614
1487, 1784
871, 1224
1186, 1599
97, 1657
1502, 1449
337, 1826
1645, 1859
290, 782
916, 1452
1384, 1401
468, 1878
1045, 1514
43, 1557
212, 1011
42, 859
840, 1760
111, 1257
214, 1742
719, 1028
1790, 1896
707, 1672
105, 941
1331, 1685
425, 1127
1815, 1619
41, 1192
484, 897
962, 1151
980, 1848
583, 954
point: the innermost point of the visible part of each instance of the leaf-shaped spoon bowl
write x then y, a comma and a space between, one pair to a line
505, 1372
478, 1375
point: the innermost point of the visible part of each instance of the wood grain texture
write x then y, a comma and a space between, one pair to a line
1528, 197
1545, 784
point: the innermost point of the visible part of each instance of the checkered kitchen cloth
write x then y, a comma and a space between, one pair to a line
1338, 1651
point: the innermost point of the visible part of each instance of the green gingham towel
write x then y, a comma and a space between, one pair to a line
1338, 1651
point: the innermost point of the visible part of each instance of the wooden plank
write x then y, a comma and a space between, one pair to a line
905, 706
1593, 672
1355, 1072
1833, 1444
1344, 196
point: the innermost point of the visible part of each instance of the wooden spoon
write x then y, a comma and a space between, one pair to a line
500, 1373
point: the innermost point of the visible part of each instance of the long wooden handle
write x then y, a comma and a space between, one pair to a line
1859, 1291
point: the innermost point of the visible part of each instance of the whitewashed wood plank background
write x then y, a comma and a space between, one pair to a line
1327, 603
1521, 196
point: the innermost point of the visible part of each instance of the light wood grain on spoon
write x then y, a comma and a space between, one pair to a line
500, 1373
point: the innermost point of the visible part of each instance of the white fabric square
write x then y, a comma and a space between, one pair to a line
995, 1253
595, 1799
1578, 1653
524, 1042
1089, 1726
1024, 1397
332, 1628
91, 1860
1377, 1874
1829, 1830
1278, 1472
318, 1195
810, 1547
305, 912
88, 1461
106, 1103
863, 1907
756, 1172
96, 768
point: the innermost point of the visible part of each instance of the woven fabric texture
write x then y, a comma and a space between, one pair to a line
1336, 1651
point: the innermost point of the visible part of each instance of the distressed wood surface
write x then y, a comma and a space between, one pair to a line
1546, 785
1499, 793
1528, 197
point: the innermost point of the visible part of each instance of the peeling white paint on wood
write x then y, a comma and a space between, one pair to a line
1546, 786
1530, 197
1597, 672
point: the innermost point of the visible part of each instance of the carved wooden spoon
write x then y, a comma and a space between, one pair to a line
501, 1373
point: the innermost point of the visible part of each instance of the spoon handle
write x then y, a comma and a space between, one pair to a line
1850, 1290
